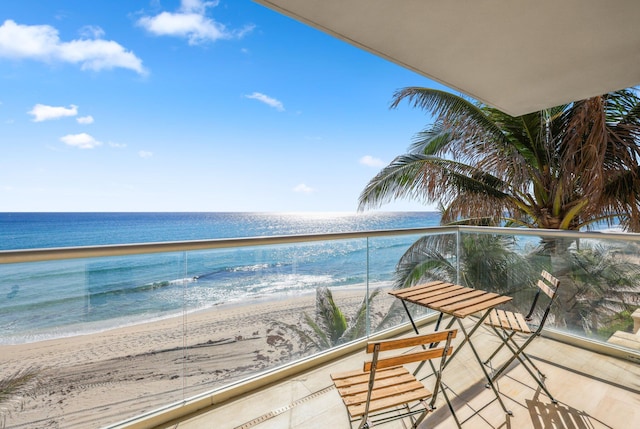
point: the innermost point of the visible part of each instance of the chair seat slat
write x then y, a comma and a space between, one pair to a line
355, 388
381, 404
356, 377
524, 327
513, 322
508, 320
385, 392
500, 319
493, 318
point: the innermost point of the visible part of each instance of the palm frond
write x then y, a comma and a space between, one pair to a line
17, 383
428, 258
427, 179
443, 104
323, 342
15, 386
431, 141
329, 317
358, 325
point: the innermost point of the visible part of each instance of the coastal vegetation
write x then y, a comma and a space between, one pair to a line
568, 167
330, 325
14, 387
572, 167
484, 258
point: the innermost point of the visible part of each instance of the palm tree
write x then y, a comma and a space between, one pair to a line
329, 323
330, 326
568, 167
605, 286
485, 260
562, 168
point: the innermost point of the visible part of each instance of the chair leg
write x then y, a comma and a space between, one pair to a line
365, 424
516, 352
504, 338
540, 373
421, 417
538, 379
453, 413
516, 347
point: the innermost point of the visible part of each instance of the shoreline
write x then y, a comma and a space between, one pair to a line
129, 370
122, 323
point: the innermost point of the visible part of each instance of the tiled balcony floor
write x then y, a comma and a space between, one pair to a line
594, 391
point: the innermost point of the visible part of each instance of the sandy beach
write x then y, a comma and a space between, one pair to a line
91, 381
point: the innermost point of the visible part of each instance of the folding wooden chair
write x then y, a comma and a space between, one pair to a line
384, 390
507, 324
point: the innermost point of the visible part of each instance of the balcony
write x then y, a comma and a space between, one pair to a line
252, 361
594, 390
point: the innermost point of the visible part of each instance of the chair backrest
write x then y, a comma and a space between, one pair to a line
428, 348
549, 285
422, 354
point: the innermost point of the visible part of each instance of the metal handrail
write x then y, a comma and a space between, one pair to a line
50, 254
58, 253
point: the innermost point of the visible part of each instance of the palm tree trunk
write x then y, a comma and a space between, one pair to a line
560, 264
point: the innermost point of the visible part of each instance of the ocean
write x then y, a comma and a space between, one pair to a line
62, 298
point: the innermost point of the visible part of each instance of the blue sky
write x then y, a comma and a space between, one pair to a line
190, 106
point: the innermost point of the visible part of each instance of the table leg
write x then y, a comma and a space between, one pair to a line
439, 320
467, 339
406, 309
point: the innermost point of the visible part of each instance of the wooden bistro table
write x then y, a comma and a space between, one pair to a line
459, 302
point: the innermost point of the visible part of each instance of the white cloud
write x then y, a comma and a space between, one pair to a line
191, 23
370, 161
145, 154
118, 145
99, 55
92, 32
267, 100
85, 119
42, 43
196, 28
42, 112
197, 6
302, 188
81, 141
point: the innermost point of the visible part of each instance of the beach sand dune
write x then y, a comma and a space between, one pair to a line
90, 381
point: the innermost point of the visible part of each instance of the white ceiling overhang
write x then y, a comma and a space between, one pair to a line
519, 56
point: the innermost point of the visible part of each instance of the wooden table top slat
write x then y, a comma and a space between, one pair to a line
458, 299
465, 301
435, 295
485, 305
449, 298
421, 288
